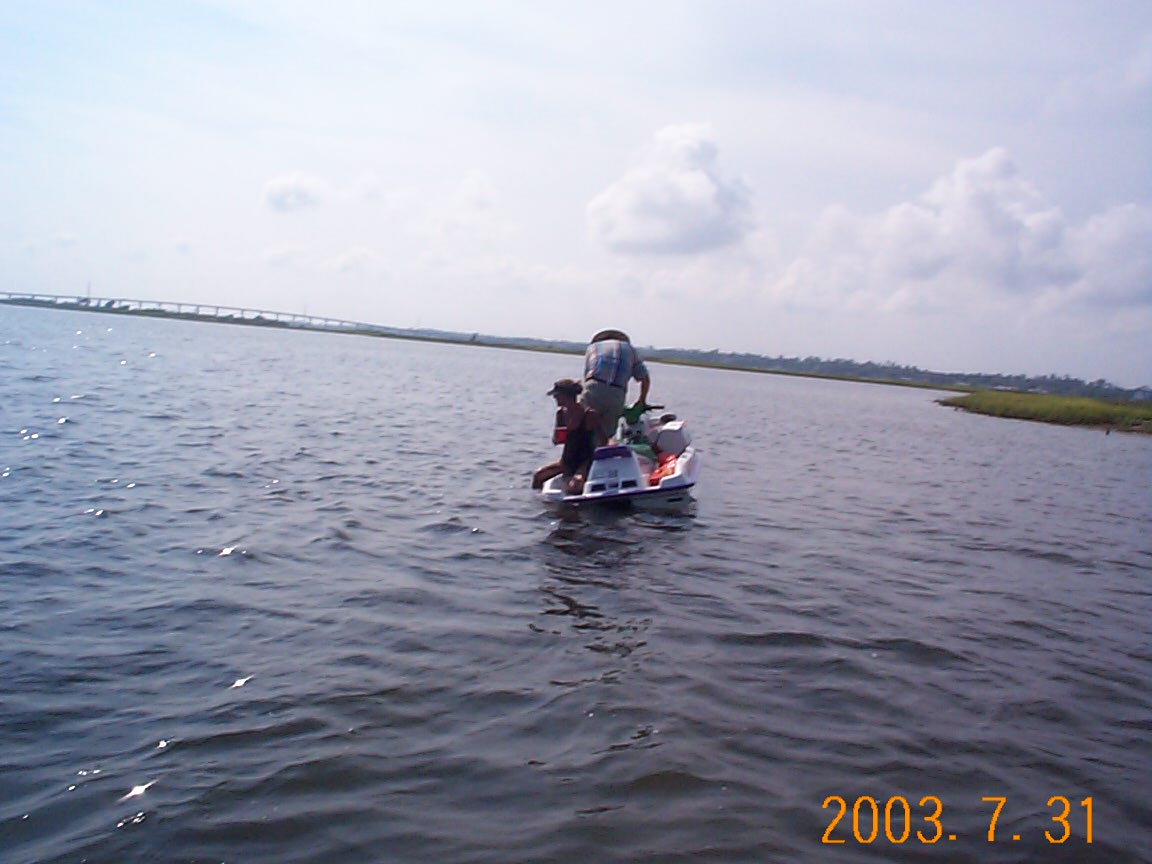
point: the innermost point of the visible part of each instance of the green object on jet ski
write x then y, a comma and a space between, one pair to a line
633, 413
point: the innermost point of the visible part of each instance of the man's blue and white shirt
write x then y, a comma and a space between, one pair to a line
613, 362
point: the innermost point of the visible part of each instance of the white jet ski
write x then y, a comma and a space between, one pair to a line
653, 466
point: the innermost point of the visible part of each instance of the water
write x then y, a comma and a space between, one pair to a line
286, 597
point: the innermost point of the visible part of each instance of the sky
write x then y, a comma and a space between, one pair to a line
963, 187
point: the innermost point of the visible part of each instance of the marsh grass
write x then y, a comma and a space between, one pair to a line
1064, 410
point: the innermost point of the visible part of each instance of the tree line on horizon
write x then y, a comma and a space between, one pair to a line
1058, 385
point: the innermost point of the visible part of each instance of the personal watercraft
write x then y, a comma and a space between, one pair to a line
654, 465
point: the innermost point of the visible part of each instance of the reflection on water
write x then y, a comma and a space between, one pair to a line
272, 596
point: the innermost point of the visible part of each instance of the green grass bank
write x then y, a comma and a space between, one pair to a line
1063, 410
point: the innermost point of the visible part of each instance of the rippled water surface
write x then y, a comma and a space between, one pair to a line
273, 596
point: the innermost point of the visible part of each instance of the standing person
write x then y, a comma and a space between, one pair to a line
609, 363
584, 433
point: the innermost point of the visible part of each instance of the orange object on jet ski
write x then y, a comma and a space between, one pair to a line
666, 467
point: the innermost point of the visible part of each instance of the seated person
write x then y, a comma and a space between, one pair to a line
585, 432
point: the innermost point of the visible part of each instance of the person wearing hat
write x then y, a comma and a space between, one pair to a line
584, 432
610, 362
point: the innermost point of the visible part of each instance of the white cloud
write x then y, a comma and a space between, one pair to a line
368, 188
293, 192
1113, 256
476, 193
980, 238
1120, 81
674, 201
355, 261
286, 257
466, 224
459, 237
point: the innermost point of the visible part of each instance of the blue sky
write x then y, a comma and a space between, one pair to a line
962, 187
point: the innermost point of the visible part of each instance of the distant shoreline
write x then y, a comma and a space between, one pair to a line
264, 318
1109, 414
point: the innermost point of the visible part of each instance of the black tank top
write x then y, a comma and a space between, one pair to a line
578, 447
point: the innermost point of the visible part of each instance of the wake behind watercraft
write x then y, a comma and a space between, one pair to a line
653, 466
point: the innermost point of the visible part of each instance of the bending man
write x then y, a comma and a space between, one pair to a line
609, 363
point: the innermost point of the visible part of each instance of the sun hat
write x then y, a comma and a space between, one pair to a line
566, 385
618, 335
